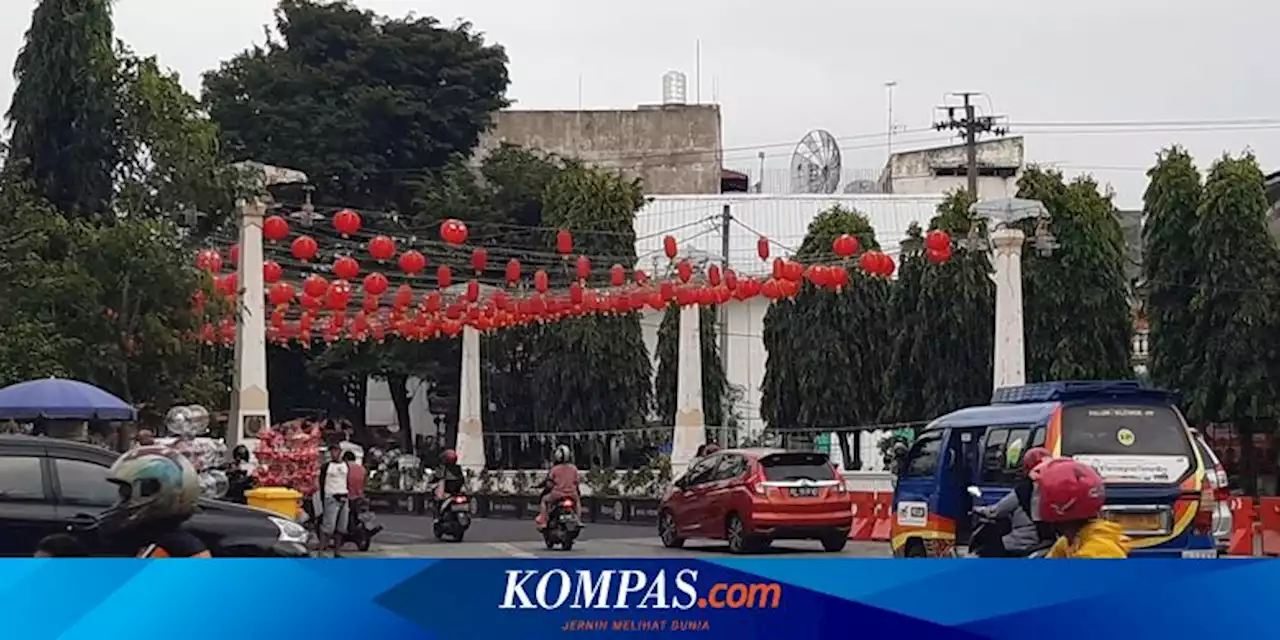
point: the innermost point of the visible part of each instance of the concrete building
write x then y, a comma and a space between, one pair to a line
944, 169
672, 148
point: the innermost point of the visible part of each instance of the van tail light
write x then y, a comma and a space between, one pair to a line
1209, 496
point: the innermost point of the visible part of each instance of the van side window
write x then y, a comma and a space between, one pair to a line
1037, 438
1002, 455
924, 456
993, 453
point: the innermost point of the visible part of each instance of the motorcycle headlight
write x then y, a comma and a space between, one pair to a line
290, 531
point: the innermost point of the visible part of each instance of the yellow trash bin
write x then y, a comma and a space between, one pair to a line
282, 500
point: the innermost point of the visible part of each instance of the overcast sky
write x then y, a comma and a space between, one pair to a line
780, 69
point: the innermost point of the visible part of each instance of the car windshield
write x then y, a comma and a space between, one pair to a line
797, 466
1123, 430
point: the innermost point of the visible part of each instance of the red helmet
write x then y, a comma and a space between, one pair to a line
450, 456
1066, 491
1033, 457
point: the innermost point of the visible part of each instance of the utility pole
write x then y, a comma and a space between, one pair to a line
970, 127
726, 217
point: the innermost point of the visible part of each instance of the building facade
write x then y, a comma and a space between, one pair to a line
945, 169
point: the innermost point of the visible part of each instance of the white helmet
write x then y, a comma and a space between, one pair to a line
561, 454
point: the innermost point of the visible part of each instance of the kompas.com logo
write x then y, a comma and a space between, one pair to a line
614, 589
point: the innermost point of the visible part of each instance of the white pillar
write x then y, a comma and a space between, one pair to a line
470, 446
690, 423
1009, 368
250, 405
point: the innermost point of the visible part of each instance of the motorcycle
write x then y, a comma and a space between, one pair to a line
986, 532
563, 525
362, 526
453, 517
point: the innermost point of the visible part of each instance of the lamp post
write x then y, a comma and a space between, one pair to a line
1005, 241
250, 404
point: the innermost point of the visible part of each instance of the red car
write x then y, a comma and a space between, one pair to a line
751, 497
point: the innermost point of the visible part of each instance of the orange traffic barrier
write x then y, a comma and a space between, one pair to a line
863, 506
1243, 526
1269, 525
883, 513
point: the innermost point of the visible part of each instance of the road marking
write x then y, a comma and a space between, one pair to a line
511, 550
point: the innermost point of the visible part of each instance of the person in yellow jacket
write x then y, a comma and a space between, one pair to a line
1069, 495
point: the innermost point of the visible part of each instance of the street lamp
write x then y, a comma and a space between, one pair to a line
1005, 241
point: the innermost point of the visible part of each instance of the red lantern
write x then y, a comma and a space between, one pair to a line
473, 291
271, 271
234, 254
617, 275
404, 298
227, 284
937, 240
198, 302
771, 289
887, 266
513, 272
280, 293
839, 278
817, 275
583, 268
275, 228
412, 262
315, 286
713, 275
640, 277
845, 246
444, 276
669, 246
937, 256
347, 222
382, 248
685, 271
730, 280
794, 271
346, 268
376, 284
209, 260
304, 248
453, 231
479, 260
339, 295
540, 281
762, 248
313, 302
564, 242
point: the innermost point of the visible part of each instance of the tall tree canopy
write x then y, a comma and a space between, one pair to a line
1077, 314
827, 351
65, 115
944, 315
1170, 266
362, 103
715, 385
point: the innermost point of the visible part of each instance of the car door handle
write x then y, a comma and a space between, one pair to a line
81, 521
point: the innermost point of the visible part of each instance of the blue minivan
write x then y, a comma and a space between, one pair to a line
1134, 436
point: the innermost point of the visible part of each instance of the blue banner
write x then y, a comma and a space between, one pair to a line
716, 598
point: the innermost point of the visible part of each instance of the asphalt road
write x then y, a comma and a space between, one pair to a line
410, 537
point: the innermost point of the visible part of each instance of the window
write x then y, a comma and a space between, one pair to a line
797, 466
1002, 454
21, 479
1037, 439
85, 484
700, 471
1132, 430
731, 466
922, 461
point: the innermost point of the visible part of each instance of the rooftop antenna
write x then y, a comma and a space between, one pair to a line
697, 71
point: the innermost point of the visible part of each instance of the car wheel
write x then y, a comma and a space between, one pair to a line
736, 533
914, 548
667, 531
834, 543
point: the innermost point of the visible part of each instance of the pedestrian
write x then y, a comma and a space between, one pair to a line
60, 545
144, 438
356, 476
333, 497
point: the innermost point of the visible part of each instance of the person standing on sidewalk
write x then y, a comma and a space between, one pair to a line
333, 499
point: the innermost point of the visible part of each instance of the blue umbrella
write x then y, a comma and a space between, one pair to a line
59, 399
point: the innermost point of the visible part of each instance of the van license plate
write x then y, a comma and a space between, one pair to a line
804, 492
1139, 522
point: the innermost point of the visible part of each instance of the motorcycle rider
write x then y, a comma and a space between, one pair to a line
562, 482
449, 478
1069, 496
1025, 533
159, 490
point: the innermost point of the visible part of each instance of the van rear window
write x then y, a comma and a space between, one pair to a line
780, 467
1117, 429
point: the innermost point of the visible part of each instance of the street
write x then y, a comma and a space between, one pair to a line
410, 537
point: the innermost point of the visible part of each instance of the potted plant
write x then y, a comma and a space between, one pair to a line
651, 483
605, 505
503, 502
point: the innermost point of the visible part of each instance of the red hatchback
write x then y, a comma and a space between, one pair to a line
751, 497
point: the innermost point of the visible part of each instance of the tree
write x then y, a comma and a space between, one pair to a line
827, 351
1077, 315
1233, 333
1170, 266
715, 385
65, 117
945, 314
363, 104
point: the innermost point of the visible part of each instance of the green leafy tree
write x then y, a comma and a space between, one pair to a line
715, 385
827, 351
364, 104
65, 116
1233, 334
1077, 314
1170, 266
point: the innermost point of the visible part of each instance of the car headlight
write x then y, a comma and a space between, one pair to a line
290, 531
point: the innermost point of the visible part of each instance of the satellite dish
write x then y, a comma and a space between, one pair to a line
815, 164
862, 186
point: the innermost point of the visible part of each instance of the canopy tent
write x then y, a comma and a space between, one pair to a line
60, 399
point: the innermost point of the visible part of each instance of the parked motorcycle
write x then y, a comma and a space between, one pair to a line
563, 525
453, 517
